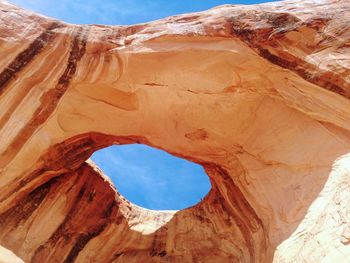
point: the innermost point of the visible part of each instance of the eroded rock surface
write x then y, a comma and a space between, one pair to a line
258, 95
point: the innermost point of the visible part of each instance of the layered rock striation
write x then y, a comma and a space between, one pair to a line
258, 95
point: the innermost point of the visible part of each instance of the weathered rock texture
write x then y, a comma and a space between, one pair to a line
258, 95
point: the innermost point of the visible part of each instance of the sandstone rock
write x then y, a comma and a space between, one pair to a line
258, 95
7, 256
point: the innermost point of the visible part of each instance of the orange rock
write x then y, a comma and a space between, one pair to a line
258, 95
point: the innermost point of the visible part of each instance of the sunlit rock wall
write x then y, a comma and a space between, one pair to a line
258, 95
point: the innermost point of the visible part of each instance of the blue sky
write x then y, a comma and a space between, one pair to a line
119, 12
153, 178
146, 176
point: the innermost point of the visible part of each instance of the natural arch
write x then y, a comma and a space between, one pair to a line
97, 205
243, 91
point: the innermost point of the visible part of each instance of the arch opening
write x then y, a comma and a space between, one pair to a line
152, 178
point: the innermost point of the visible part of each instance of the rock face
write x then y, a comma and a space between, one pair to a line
7, 256
258, 95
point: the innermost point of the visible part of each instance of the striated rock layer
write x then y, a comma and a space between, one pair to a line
258, 95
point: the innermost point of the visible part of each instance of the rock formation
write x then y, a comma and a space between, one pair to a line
258, 95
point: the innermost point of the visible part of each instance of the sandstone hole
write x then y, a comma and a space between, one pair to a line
152, 178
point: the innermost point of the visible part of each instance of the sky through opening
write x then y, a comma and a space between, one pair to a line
152, 178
